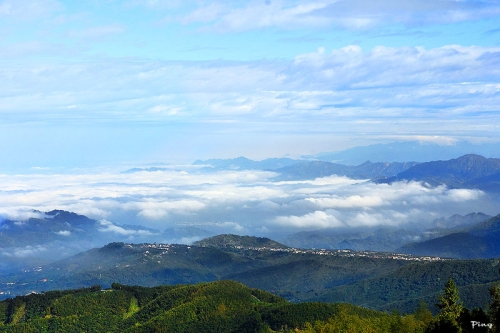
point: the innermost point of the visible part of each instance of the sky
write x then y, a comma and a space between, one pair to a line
98, 86
113, 82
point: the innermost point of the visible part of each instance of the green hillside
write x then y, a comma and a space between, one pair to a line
405, 287
229, 240
380, 281
290, 273
223, 306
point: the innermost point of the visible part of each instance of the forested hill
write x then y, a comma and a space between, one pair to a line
230, 240
295, 274
223, 306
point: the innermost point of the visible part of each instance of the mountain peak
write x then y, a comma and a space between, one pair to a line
471, 159
226, 240
469, 171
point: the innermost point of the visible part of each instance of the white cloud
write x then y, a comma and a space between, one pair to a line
461, 195
64, 233
23, 252
28, 10
97, 32
317, 219
108, 226
166, 109
246, 198
12, 213
156, 209
369, 220
353, 201
343, 90
235, 227
353, 14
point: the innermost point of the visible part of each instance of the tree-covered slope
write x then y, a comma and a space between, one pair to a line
223, 306
230, 240
404, 287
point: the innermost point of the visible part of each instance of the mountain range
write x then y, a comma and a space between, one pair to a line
318, 169
480, 240
57, 234
373, 279
406, 151
468, 171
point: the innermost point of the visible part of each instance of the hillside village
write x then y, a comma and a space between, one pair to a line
155, 251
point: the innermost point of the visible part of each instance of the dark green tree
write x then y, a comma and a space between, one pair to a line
494, 307
450, 306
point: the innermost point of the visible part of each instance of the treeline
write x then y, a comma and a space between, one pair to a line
228, 306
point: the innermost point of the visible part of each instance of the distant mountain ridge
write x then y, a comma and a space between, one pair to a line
480, 240
468, 171
57, 234
405, 151
318, 169
457, 220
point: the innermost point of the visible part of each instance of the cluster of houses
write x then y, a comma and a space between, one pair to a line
325, 252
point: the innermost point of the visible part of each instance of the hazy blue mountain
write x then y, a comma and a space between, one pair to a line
405, 151
459, 221
50, 226
375, 239
57, 234
381, 238
481, 240
243, 163
317, 169
468, 171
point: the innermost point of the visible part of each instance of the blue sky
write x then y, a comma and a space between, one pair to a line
135, 82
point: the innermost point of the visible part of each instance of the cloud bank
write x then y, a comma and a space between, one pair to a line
234, 201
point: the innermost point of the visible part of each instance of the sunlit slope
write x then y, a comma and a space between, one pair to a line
224, 306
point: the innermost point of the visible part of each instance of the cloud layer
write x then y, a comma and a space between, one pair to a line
345, 93
223, 16
236, 201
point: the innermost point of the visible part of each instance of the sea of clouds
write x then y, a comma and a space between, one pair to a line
241, 202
